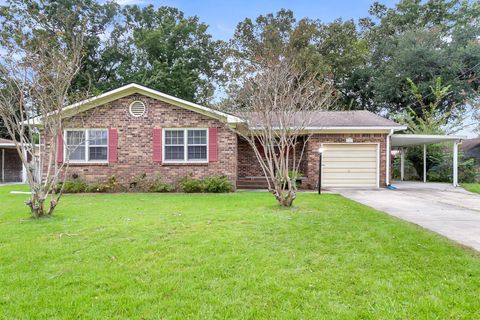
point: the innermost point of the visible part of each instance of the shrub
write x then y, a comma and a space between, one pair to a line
190, 185
144, 183
443, 171
73, 186
111, 185
214, 184
217, 184
158, 185
140, 184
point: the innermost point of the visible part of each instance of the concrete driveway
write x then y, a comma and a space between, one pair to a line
451, 212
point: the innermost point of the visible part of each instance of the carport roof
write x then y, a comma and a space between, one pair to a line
6, 143
405, 140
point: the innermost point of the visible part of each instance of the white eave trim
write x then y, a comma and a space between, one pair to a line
395, 128
404, 140
136, 88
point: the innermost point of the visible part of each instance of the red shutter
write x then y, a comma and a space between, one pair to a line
212, 144
60, 148
112, 145
157, 144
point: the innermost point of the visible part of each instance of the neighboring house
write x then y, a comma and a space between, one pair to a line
11, 168
134, 130
471, 149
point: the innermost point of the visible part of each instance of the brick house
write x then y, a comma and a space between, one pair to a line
135, 130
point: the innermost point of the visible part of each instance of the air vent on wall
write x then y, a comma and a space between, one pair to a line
137, 109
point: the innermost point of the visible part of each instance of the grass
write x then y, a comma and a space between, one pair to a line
472, 187
235, 256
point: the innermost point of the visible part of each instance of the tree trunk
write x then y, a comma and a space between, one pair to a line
36, 204
284, 197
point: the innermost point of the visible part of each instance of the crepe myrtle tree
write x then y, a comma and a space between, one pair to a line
277, 102
35, 78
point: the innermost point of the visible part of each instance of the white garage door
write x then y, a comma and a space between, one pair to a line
350, 165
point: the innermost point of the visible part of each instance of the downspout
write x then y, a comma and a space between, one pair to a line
387, 161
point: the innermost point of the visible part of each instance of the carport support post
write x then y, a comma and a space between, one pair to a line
24, 168
424, 163
455, 164
402, 163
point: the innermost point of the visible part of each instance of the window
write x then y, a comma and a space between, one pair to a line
185, 145
86, 145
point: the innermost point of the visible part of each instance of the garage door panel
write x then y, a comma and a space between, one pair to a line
342, 170
349, 146
350, 154
350, 176
350, 184
350, 165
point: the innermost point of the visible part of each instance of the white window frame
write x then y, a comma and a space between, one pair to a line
185, 145
87, 145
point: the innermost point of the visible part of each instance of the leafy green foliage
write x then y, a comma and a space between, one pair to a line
418, 40
111, 185
213, 184
217, 184
442, 172
160, 48
422, 41
24, 22
190, 185
73, 186
147, 183
165, 50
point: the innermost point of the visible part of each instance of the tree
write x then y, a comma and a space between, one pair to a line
277, 105
432, 121
345, 53
165, 50
92, 17
36, 73
263, 41
421, 41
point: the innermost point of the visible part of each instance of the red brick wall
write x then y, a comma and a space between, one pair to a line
135, 142
248, 164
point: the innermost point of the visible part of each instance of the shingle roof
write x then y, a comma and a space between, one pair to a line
347, 119
360, 118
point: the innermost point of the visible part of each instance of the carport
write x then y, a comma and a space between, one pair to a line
401, 141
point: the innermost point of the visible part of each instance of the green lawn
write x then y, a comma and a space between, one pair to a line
158, 256
472, 187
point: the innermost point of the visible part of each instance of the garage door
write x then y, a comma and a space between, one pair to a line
350, 165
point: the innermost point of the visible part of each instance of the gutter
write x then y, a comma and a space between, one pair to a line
387, 169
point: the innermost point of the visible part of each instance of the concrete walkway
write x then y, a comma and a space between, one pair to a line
451, 212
